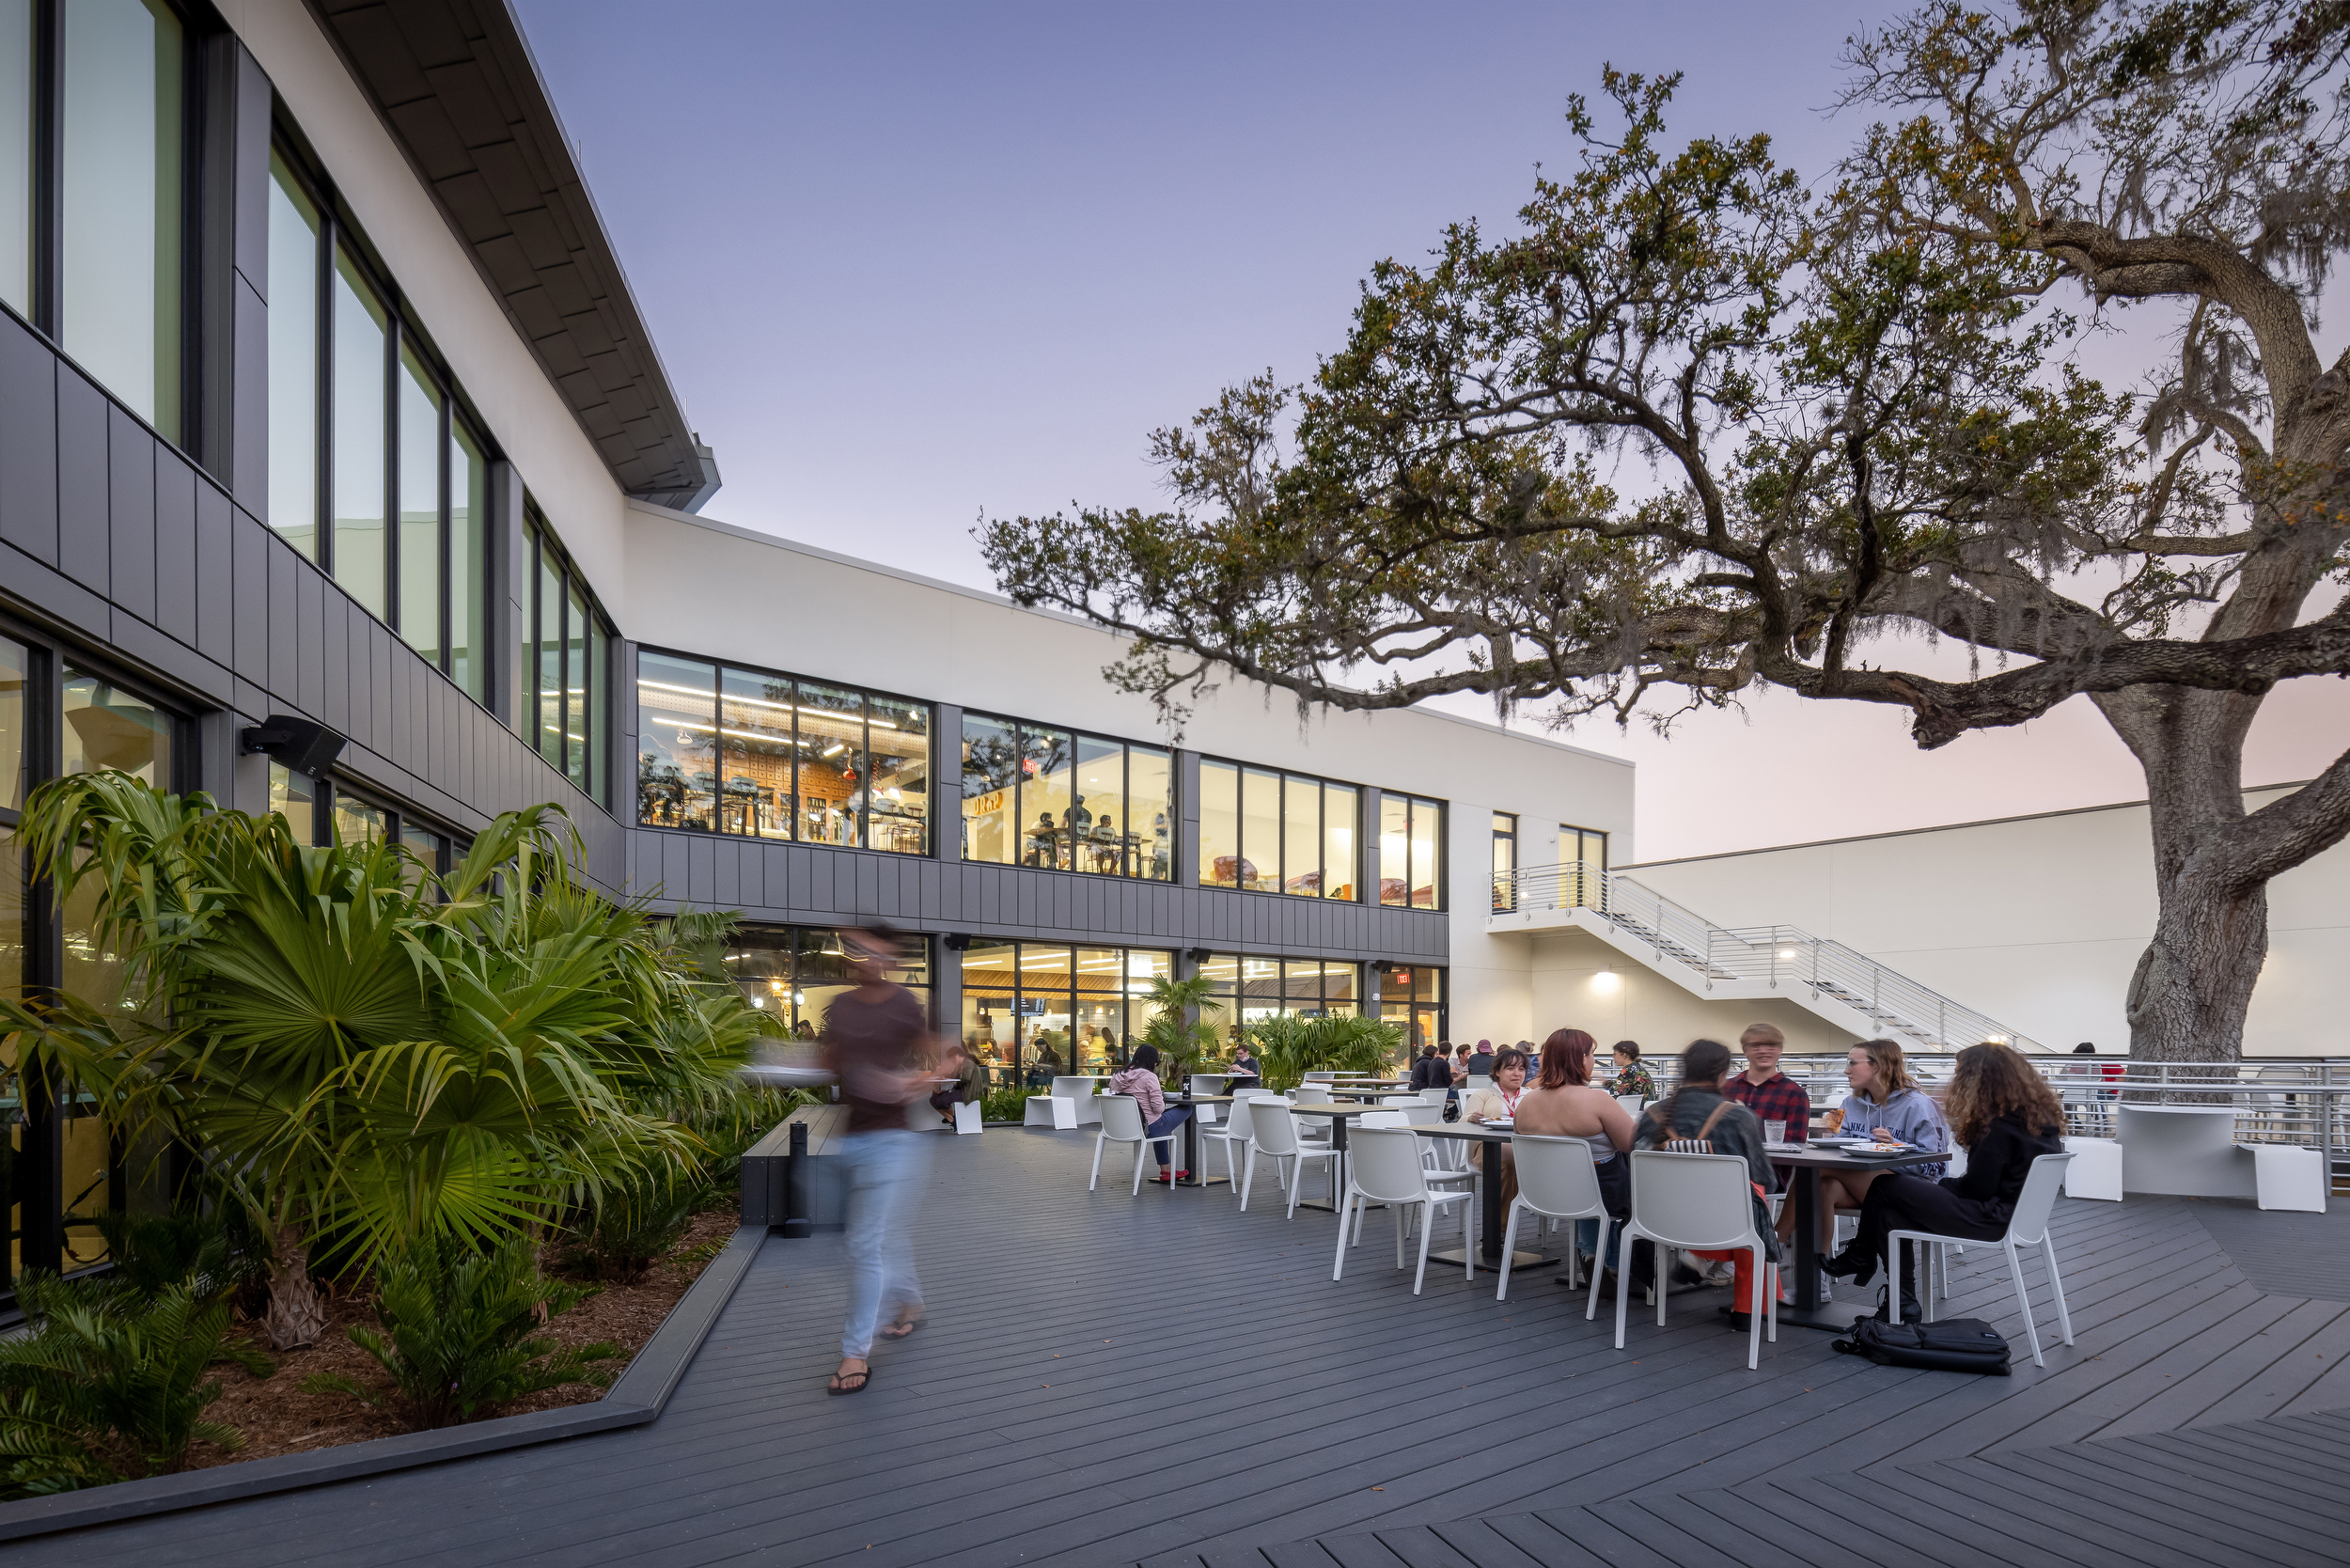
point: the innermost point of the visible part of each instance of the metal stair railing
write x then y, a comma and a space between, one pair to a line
1776, 956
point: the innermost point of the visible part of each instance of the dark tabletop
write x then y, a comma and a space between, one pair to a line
1836, 1159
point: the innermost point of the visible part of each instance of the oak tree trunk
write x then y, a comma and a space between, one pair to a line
2193, 985
297, 1313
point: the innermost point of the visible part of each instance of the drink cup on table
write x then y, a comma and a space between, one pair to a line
1775, 1131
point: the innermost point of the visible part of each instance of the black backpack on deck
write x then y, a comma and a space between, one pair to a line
1955, 1344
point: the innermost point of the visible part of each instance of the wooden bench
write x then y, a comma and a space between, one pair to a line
775, 1195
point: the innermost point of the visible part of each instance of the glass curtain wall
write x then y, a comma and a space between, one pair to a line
1261, 831
1413, 998
572, 708
794, 972
372, 472
1062, 801
771, 756
1411, 852
1250, 989
1033, 1010
1505, 862
321, 811
63, 1169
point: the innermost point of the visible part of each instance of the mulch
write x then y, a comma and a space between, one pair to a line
277, 1417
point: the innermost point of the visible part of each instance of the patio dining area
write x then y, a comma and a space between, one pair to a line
1116, 1377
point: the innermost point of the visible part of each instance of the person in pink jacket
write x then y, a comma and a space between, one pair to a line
1141, 1080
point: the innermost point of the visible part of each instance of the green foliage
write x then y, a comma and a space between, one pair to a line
1289, 1046
358, 1048
213, 1252
459, 1331
1175, 1028
631, 1229
1005, 1102
110, 1383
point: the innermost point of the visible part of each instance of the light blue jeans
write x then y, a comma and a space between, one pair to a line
887, 1170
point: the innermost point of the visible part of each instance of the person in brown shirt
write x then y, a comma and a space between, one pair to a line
878, 1043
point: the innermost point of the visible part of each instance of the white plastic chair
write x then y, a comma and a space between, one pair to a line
1435, 1097
1633, 1105
1121, 1122
1274, 1136
1385, 1169
1695, 1203
1557, 1180
2027, 1227
1234, 1134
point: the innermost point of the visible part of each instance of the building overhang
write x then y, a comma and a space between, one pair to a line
455, 81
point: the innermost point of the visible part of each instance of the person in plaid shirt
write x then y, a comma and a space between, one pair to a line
1764, 1088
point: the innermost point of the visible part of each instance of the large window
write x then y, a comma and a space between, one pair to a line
1413, 998
321, 812
372, 472
794, 972
1411, 852
723, 749
93, 109
1268, 832
60, 716
1249, 990
570, 660
1063, 801
1032, 1009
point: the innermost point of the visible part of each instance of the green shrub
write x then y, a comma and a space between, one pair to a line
1006, 1103
111, 1384
633, 1230
459, 1331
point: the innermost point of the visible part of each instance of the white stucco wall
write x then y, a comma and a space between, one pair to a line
702, 586
527, 416
2038, 921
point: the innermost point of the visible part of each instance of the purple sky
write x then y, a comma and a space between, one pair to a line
910, 262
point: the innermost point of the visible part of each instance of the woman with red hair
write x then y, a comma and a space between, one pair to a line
1565, 1102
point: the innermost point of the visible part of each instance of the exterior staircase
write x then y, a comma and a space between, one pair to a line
1838, 983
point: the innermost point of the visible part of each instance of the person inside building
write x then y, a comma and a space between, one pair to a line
2005, 1116
1631, 1078
1699, 1111
1159, 1119
1563, 1103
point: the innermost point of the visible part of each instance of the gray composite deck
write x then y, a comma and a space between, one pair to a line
1111, 1379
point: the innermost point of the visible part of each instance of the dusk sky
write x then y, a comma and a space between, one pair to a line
907, 263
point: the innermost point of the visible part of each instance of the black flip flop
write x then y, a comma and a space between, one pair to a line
864, 1379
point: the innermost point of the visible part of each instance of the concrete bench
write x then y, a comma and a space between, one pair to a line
822, 1198
1078, 1110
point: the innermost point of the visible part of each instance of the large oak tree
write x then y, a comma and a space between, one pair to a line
1697, 424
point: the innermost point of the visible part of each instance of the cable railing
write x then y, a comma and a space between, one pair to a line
1774, 956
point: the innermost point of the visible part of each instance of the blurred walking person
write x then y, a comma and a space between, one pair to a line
879, 1045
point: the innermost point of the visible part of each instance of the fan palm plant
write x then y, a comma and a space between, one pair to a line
1176, 1027
362, 1050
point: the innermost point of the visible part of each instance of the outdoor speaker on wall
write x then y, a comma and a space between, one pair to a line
957, 940
302, 744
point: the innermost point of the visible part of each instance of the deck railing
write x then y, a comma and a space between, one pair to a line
1779, 956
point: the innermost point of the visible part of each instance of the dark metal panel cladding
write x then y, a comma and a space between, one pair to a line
131, 515
28, 442
82, 475
175, 546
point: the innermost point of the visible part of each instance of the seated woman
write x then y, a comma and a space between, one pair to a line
1141, 1080
1885, 1104
1697, 1110
1499, 1102
1564, 1104
2005, 1116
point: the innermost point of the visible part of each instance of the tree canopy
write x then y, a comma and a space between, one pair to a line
1697, 422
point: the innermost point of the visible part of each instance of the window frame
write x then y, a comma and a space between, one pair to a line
44, 305
1505, 866
39, 1234
595, 707
1133, 852
338, 235
1437, 838
1281, 877
870, 694
1001, 1075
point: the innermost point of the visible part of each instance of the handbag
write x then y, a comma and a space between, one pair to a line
1955, 1344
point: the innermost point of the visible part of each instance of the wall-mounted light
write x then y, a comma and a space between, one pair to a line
1786, 955
1606, 979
